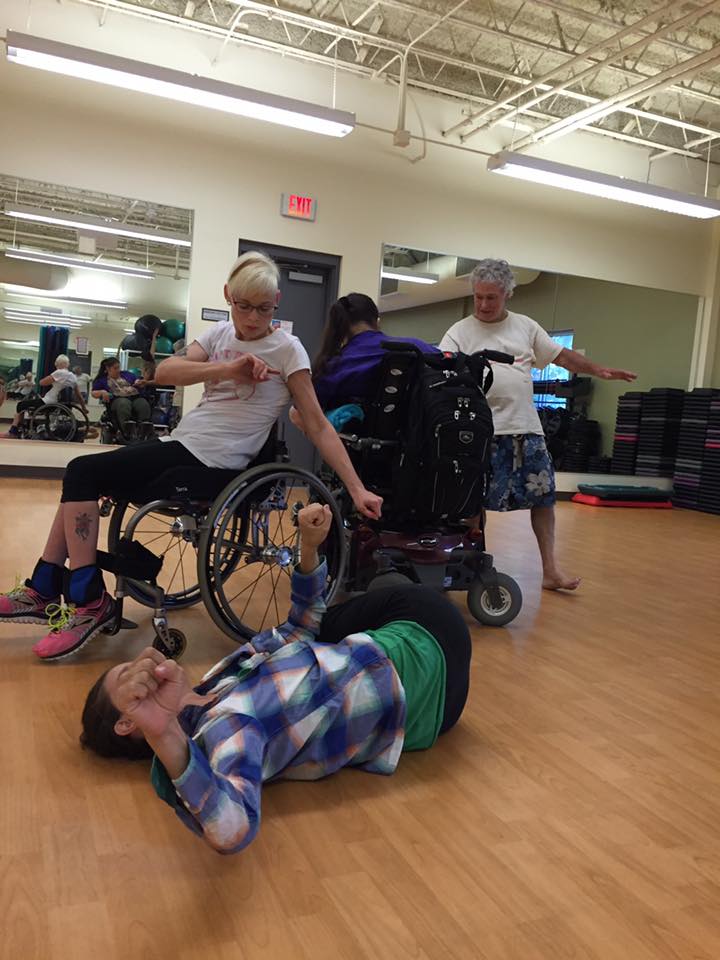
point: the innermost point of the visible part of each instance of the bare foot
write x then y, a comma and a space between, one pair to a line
559, 581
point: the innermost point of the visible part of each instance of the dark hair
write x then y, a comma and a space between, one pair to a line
353, 309
99, 717
105, 366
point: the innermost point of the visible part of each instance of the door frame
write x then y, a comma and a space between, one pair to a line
295, 257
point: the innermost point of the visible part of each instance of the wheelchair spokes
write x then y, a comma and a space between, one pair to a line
256, 525
170, 532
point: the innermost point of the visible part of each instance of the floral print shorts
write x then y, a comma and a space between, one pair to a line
522, 473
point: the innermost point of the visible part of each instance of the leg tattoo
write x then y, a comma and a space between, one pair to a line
82, 525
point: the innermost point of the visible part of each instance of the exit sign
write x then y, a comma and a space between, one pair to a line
298, 207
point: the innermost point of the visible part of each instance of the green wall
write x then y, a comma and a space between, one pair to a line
635, 328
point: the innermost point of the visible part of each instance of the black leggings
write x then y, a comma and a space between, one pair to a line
143, 471
427, 607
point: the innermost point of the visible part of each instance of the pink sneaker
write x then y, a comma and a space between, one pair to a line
72, 627
24, 605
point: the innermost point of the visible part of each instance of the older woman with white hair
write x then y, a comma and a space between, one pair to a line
522, 471
250, 372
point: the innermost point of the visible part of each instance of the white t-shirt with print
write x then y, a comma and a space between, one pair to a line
232, 421
62, 378
511, 395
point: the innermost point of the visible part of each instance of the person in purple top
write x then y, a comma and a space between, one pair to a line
121, 390
348, 364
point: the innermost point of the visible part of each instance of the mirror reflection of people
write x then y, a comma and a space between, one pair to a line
250, 372
83, 381
522, 471
60, 379
120, 389
353, 686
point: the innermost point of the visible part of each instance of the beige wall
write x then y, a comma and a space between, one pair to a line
645, 330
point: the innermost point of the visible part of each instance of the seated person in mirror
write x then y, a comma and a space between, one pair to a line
59, 380
121, 390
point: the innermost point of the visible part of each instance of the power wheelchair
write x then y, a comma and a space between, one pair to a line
233, 544
60, 420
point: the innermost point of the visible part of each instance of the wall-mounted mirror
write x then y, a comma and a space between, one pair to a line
422, 293
78, 269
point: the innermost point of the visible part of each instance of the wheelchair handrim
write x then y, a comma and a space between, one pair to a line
218, 600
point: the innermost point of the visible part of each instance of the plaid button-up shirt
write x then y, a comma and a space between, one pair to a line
285, 707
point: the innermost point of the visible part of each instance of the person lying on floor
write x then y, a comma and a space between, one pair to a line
353, 685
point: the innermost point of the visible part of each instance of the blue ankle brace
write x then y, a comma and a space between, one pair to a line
47, 579
85, 585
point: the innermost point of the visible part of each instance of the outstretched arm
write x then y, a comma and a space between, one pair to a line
576, 363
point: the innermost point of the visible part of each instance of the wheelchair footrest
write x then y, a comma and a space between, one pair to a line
131, 559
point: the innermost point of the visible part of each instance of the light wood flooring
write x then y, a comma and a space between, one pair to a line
573, 813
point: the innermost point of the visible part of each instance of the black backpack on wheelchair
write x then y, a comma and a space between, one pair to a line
445, 454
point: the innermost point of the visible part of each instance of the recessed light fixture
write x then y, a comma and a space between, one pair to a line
174, 85
601, 185
408, 276
13, 290
59, 260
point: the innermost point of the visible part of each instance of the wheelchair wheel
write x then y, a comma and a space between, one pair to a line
175, 646
53, 421
253, 522
165, 528
482, 607
82, 423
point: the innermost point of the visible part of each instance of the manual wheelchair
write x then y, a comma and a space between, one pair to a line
60, 420
233, 544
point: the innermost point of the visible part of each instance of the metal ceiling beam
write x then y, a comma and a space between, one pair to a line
595, 67
685, 70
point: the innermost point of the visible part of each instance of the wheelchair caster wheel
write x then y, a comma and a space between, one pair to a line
175, 646
497, 611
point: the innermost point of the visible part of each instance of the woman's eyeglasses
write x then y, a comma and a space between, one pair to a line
264, 310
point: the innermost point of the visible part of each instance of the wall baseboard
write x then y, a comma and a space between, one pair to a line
32, 473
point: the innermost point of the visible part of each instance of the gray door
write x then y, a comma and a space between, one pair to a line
308, 286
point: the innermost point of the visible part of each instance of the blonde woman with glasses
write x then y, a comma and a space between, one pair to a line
250, 373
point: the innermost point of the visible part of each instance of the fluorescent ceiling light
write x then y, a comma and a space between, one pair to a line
81, 221
601, 185
52, 314
174, 85
410, 276
110, 351
22, 293
21, 343
58, 260
46, 321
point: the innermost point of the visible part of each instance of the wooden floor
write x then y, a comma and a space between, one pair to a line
573, 813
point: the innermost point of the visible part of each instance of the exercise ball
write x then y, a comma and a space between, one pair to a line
163, 345
173, 330
147, 325
131, 342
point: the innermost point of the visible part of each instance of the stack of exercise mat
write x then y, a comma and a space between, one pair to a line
691, 447
709, 491
627, 428
660, 415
